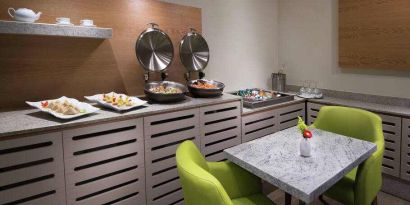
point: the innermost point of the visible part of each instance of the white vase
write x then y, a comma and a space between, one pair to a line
305, 147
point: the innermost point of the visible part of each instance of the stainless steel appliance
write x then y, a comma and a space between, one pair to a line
255, 97
208, 92
279, 82
194, 51
154, 49
194, 55
155, 52
159, 97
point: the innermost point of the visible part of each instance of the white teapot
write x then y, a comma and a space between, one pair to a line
24, 15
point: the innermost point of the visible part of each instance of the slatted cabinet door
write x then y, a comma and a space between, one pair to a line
258, 125
405, 150
32, 170
220, 129
163, 133
312, 112
288, 116
392, 141
105, 164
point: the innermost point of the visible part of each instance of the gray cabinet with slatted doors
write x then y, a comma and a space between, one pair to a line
405, 150
104, 164
312, 112
220, 129
163, 133
288, 116
32, 170
392, 140
259, 124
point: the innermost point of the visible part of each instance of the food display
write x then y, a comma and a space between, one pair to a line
203, 85
165, 91
205, 88
255, 97
161, 89
64, 107
116, 101
257, 94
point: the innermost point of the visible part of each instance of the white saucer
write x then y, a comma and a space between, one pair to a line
88, 25
65, 24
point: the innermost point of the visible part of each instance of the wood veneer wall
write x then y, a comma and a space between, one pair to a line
374, 34
41, 67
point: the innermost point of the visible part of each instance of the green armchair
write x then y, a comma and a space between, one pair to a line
216, 183
361, 185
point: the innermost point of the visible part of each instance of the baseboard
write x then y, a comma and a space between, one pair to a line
396, 187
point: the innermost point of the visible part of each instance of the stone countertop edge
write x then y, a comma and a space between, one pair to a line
30, 121
375, 107
295, 192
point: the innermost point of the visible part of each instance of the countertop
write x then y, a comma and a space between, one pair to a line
375, 107
33, 120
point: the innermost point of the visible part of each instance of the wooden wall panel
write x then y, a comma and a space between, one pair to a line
374, 34
38, 67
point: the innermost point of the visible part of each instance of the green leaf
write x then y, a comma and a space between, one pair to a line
301, 125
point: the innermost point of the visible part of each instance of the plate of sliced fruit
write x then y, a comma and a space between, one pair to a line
116, 101
64, 107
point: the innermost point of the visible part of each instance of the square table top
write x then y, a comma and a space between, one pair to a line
275, 158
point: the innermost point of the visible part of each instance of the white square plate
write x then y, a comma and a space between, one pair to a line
98, 98
87, 108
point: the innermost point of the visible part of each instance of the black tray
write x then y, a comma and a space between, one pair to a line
262, 103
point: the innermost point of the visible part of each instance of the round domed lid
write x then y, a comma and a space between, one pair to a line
154, 49
194, 51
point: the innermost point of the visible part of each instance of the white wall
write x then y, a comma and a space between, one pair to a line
242, 36
308, 45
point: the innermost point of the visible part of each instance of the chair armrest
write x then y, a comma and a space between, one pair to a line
369, 177
236, 181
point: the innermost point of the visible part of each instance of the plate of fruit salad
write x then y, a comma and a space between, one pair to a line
116, 101
64, 107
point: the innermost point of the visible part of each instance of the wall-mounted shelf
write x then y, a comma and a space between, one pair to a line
21, 28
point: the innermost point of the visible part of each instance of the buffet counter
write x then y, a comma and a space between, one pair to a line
144, 141
33, 120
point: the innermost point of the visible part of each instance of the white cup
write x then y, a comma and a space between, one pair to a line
63, 20
87, 22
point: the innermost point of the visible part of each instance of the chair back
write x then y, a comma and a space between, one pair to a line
199, 186
362, 125
352, 122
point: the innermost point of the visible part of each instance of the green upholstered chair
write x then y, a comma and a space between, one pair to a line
215, 183
361, 185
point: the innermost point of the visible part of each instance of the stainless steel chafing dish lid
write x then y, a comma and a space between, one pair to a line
154, 49
194, 51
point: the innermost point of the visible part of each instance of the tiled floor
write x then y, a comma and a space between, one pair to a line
278, 197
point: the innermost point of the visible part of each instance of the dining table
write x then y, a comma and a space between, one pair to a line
276, 159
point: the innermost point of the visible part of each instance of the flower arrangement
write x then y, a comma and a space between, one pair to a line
304, 143
304, 129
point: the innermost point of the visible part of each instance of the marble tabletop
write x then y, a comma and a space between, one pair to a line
275, 158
